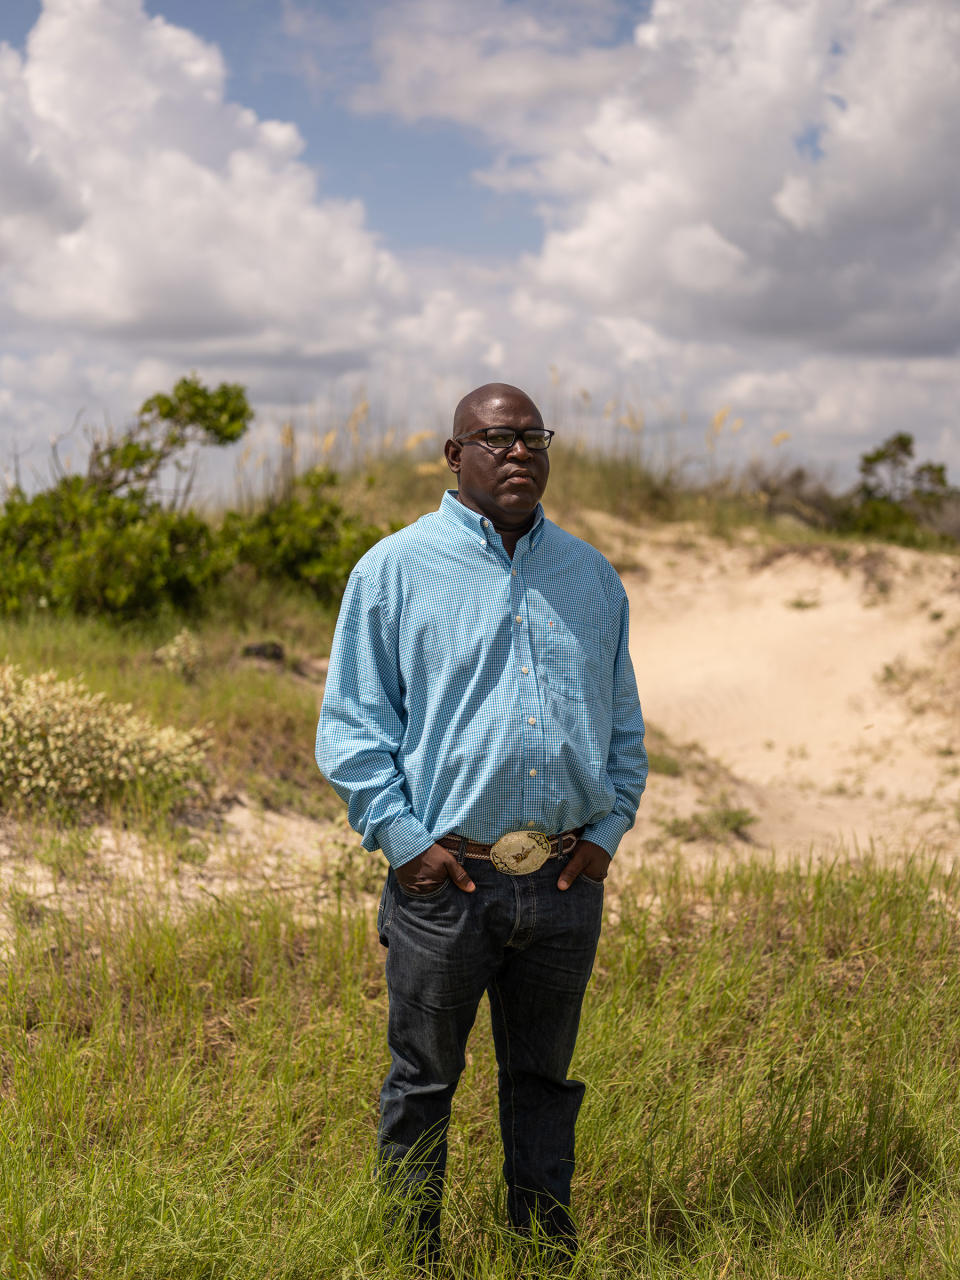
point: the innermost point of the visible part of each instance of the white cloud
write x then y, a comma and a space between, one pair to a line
198, 222
34, 200
503, 69
852, 248
444, 323
142, 215
748, 202
701, 260
765, 166
768, 183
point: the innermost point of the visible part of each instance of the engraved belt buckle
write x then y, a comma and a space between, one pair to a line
519, 852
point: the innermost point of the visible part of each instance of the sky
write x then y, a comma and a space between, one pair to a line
654, 211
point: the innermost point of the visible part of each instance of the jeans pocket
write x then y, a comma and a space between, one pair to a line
429, 896
384, 911
597, 884
562, 862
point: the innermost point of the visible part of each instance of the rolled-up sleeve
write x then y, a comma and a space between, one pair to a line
362, 722
627, 758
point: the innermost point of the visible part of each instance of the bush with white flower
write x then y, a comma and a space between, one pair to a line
62, 746
183, 655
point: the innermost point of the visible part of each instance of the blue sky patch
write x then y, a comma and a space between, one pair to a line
807, 142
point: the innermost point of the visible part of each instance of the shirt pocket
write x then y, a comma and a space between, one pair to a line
572, 660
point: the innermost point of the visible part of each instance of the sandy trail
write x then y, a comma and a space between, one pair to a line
814, 676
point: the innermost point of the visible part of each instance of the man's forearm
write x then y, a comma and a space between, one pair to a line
366, 777
361, 727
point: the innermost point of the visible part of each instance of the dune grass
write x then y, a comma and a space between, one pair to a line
771, 1058
399, 487
395, 488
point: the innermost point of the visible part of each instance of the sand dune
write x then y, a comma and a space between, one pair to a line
814, 676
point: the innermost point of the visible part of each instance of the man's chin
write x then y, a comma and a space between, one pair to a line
519, 498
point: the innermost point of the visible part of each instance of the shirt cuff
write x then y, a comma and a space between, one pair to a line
608, 832
404, 839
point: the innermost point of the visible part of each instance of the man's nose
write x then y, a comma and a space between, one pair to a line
519, 448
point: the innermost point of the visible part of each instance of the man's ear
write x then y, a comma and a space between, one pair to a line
452, 451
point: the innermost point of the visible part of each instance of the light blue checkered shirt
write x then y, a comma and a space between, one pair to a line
471, 694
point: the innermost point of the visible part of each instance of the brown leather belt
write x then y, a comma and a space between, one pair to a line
563, 843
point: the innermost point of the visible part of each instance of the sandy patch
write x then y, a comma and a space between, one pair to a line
810, 675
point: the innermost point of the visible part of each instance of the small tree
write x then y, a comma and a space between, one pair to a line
885, 475
169, 430
107, 542
884, 471
895, 500
111, 543
930, 485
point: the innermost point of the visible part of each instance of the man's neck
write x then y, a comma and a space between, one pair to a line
510, 535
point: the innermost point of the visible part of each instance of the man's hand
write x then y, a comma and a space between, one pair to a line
428, 872
586, 857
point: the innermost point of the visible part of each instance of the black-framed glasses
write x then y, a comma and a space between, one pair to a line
535, 438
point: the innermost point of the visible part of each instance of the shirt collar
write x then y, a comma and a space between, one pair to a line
453, 509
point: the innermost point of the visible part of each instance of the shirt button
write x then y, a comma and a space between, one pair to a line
532, 720
485, 523
531, 823
525, 670
513, 573
533, 773
519, 617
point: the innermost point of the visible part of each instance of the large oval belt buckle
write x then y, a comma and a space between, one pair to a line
519, 852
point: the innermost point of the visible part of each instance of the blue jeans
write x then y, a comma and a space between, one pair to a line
531, 948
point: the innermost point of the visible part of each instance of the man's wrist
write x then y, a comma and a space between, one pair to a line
608, 832
403, 840
397, 865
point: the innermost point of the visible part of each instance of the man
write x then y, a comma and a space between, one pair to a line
481, 720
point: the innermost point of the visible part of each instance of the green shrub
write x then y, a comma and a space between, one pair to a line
114, 544
108, 542
76, 549
304, 538
883, 518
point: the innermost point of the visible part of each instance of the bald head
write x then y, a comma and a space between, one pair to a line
477, 406
504, 483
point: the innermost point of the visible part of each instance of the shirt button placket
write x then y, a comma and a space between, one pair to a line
531, 771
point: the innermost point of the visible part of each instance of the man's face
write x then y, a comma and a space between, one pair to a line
503, 484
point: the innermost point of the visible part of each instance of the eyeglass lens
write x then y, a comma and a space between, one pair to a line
504, 437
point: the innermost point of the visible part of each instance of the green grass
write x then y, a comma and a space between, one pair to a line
718, 822
770, 1056
661, 762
